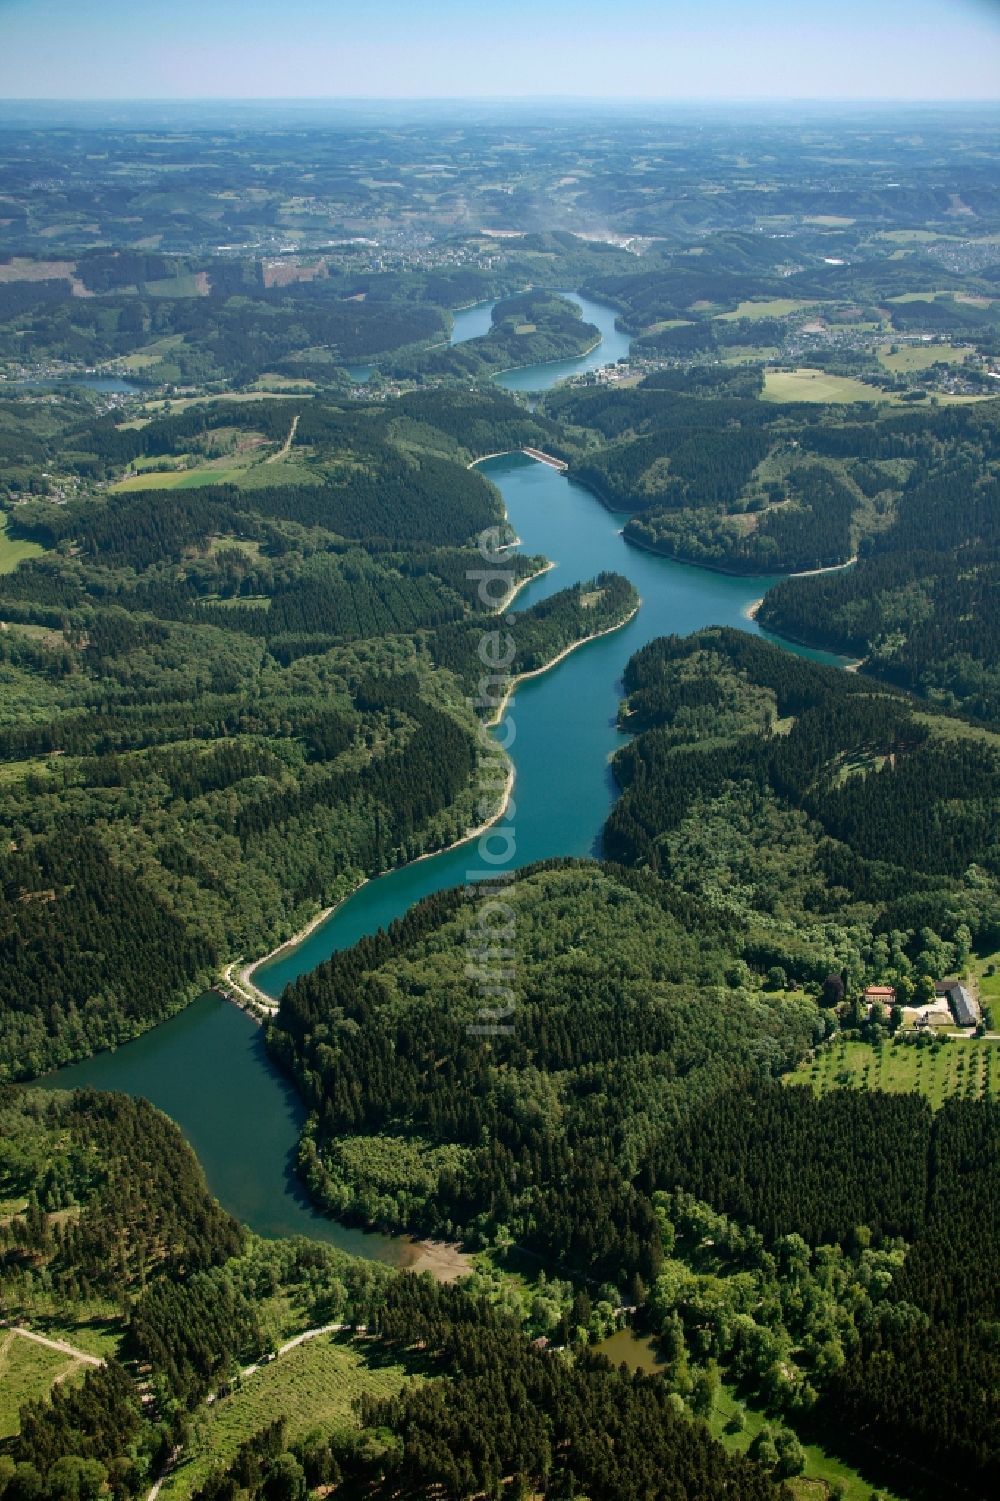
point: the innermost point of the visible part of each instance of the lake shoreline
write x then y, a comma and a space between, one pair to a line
562, 359
848, 664
522, 583
706, 564
245, 974
537, 672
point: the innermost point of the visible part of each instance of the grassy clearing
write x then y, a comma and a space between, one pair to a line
772, 307
152, 354
943, 727
174, 404
180, 479
271, 382
961, 1066
245, 545
912, 236
23, 268
13, 551
96, 1330
657, 328
742, 354
944, 292
316, 1384
93, 1325
28, 1370
921, 356
256, 601
821, 1471
194, 284
987, 970
288, 471
817, 385
248, 470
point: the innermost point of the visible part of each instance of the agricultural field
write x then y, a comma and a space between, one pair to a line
193, 284
28, 1370
772, 307
817, 385
920, 356
913, 236
902, 297
25, 268
248, 476
964, 1066
152, 354
164, 406
315, 1384
945, 294
741, 353
272, 383
657, 328
13, 551
181, 479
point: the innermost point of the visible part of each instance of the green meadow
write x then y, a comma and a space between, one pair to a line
13, 551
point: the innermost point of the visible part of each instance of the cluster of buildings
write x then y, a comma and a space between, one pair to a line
952, 1000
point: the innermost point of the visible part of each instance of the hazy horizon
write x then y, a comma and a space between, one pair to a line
701, 52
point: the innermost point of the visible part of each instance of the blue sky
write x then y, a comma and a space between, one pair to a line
662, 49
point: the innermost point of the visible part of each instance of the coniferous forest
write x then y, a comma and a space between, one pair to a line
714, 1213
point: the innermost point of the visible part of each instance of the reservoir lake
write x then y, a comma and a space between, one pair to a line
207, 1067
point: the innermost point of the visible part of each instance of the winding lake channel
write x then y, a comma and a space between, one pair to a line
207, 1067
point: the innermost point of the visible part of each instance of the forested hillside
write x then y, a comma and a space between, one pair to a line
812, 1252
779, 821
112, 1219
528, 329
225, 705
111, 1240
710, 474
921, 604
814, 808
874, 1218
247, 662
620, 1013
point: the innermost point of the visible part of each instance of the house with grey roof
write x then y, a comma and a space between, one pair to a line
963, 1008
